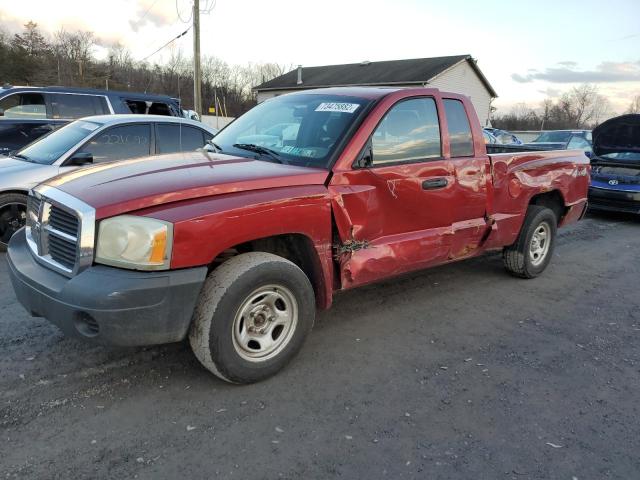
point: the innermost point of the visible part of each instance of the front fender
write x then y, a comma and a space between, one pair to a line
206, 227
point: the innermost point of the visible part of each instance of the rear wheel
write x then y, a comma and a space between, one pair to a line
532, 251
253, 315
13, 216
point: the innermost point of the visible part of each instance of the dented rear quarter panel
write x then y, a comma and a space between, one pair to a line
517, 178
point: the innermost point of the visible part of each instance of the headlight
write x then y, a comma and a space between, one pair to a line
137, 243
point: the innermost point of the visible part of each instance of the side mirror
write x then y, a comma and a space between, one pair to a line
365, 160
1, 112
80, 158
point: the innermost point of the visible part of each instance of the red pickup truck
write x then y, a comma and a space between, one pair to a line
305, 195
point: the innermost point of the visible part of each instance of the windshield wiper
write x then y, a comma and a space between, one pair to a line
19, 156
252, 147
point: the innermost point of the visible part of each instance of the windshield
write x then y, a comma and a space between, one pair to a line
50, 148
302, 129
553, 137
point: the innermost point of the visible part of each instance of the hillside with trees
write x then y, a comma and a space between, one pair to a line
68, 58
582, 107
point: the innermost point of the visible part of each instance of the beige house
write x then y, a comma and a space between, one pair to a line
459, 74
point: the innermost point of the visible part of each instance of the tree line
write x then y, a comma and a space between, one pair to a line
582, 107
68, 58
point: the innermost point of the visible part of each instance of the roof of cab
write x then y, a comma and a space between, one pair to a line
57, 89
360, 92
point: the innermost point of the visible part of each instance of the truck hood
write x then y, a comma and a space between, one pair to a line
120, 187
617, 135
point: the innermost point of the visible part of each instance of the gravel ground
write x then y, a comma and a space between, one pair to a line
458, 372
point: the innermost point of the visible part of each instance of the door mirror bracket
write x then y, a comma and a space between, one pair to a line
79, 159
365, 160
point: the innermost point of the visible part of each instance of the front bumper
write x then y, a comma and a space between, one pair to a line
107, 305
614, 200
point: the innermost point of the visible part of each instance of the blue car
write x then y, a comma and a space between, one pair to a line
615, 165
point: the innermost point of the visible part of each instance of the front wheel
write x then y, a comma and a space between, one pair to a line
253, 315
13, 216
532, 251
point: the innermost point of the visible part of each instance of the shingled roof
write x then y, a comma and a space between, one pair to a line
414, 71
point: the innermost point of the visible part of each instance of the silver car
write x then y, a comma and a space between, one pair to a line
88, 141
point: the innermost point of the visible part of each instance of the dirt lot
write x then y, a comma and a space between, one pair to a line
459, 372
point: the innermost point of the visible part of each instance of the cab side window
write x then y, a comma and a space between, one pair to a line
120, 143
24, 105
65, 105
409, 132
460, 138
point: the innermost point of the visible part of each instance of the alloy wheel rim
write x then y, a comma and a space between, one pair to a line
540, 242
265, 323
13, 216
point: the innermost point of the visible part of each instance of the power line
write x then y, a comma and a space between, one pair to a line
144, 15
168, 43
180, 16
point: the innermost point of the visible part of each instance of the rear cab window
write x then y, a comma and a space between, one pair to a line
460, 137
409, 132
66, 105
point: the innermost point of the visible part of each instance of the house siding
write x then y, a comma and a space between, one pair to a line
464, 80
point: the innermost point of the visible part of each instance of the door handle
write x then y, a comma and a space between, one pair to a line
434, 183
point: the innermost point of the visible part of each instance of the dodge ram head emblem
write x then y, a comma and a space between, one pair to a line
613, 182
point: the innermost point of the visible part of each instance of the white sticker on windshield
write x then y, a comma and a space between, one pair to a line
337, 107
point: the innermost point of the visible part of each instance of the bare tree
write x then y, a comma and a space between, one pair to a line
67, 59
634, 106
583, 105
75, 48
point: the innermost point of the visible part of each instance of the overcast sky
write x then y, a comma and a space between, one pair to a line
528, 49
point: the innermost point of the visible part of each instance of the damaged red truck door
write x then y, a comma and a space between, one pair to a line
417, 194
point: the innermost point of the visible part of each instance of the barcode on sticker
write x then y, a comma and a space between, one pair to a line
337, 107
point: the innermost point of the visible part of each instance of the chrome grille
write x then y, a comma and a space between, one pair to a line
60, 230
63, 221
62, 251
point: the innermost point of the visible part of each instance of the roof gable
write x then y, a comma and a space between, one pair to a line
419, 70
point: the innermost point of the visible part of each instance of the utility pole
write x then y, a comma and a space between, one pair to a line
197, 72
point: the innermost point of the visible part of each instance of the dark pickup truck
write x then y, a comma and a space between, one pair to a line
304, 196
28, 113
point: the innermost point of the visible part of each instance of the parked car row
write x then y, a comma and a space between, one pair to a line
235, 245
564, 140
27, 113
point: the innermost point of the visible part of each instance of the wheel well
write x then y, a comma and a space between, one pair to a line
296, 248
553, 200
19, 192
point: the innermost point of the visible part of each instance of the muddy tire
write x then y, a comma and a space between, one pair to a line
13, 215
532, 251
254, 313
